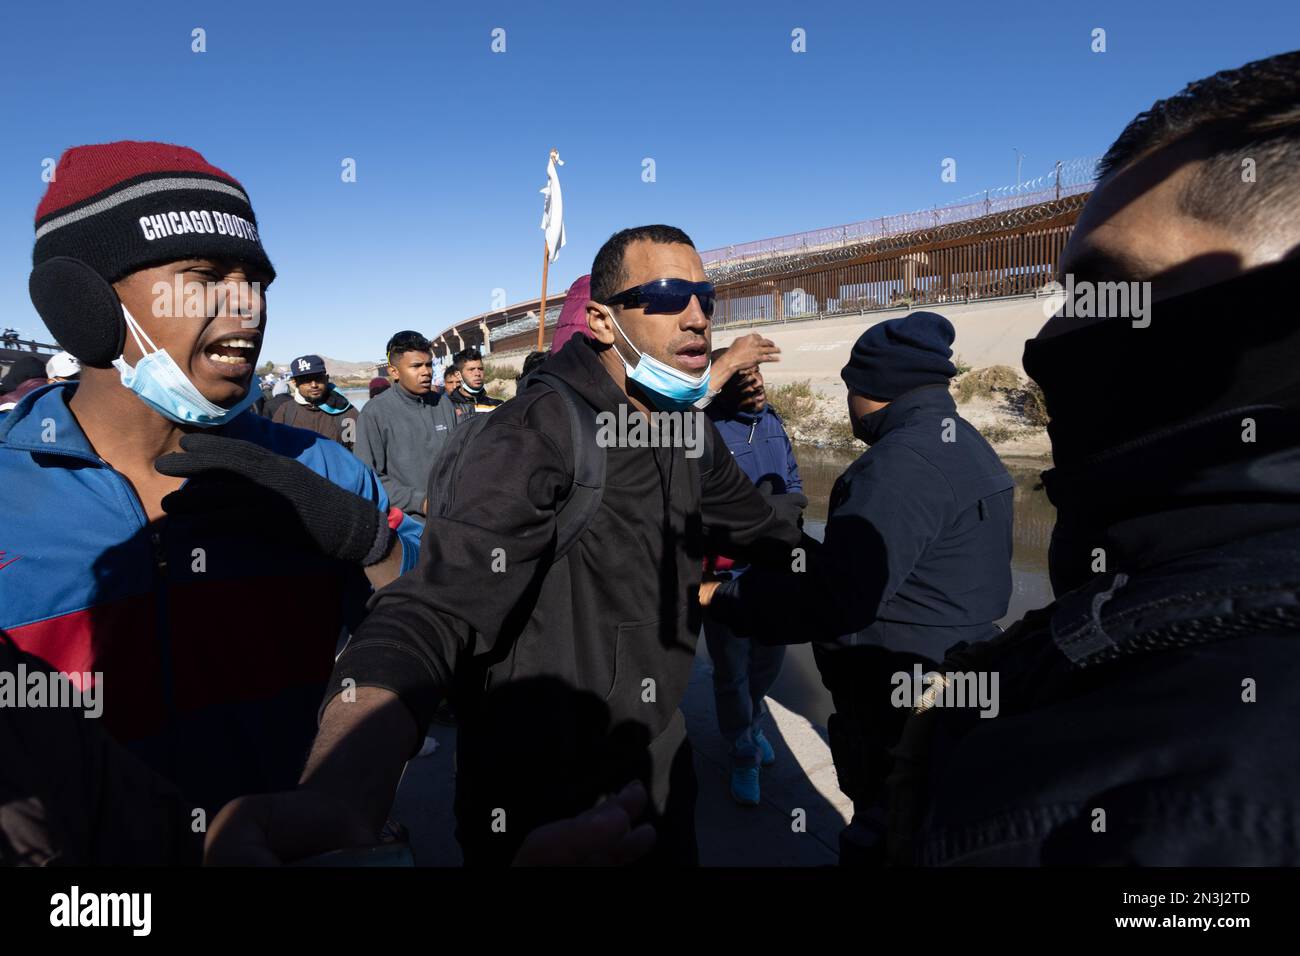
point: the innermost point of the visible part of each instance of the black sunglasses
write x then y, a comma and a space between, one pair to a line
666, 296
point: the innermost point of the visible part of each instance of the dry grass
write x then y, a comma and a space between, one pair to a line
839, 433
986, 382
796, 403
809, 417
996, 434
1029, 404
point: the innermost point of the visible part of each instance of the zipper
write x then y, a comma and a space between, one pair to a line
163, 638
162, 609
752, 425
159, 554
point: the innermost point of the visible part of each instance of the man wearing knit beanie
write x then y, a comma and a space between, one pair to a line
898, 355
150, 270
917, 557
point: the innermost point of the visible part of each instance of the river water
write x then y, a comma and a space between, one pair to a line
799, 687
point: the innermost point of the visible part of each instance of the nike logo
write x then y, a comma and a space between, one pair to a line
3, 563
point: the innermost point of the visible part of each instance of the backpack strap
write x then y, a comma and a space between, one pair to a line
580, 505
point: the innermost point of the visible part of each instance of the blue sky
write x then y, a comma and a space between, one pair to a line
450, 139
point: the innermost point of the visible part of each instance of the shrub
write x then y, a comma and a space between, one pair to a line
493, 373
795, 402
984, 382
996, 434
1029, 404
839, 433
500, 387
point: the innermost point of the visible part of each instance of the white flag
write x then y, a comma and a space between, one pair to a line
553, 208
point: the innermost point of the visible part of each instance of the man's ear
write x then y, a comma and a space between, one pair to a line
598, 321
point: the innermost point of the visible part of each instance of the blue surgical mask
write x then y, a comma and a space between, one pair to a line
671, 389
161, 385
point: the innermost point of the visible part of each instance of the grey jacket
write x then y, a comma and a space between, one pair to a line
399, 435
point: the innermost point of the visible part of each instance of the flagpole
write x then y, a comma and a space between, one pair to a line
541, 313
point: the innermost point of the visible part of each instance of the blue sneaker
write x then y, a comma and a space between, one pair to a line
744, 785
767, 755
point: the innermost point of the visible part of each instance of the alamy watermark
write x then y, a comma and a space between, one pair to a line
74, 908
182, 299
948, 689
1099, 300
635, 429
21, 688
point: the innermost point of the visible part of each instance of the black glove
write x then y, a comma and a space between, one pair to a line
788, 506
251, 484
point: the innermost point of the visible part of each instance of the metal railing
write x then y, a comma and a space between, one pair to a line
981, 265
1067, 179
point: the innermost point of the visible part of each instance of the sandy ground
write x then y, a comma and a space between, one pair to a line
988, 333
796, 824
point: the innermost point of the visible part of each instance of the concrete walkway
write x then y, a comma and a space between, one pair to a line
803, 779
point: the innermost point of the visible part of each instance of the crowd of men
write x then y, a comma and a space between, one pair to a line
550, 585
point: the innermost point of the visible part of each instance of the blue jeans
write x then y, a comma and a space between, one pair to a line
743, 672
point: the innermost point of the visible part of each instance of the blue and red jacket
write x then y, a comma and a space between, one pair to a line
215, 644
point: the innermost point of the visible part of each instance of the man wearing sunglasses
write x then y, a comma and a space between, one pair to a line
566, 672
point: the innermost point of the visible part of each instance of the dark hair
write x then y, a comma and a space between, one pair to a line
455, 368
404, 342
1250, 112
608, 276
533, 360
467, 354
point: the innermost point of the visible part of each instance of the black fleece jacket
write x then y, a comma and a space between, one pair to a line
566, 676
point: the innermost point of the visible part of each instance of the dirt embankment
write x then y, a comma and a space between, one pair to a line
1004, 407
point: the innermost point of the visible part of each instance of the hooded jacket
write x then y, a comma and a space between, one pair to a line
399, 435
566, 676
329, 418
917, 553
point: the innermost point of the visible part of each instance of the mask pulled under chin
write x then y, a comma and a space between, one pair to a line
669, 388
158, 381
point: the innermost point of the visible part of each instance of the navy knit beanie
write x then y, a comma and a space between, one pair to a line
898, 355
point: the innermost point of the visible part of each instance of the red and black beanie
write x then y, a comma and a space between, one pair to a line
121, 207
